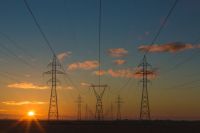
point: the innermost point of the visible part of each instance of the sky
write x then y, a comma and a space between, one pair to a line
128, 28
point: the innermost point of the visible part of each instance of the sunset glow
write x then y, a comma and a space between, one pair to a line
89, 53
31, 113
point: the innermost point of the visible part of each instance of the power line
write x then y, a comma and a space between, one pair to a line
15, 55
184, 84
162, 25
124, 85
44, 36
15, 44
186, 60
157, 34
6, 75
39, 27
70, 80
99, 41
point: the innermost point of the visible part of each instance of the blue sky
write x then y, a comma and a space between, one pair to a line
72, 25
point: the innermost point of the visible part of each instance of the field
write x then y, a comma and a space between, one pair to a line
12, 126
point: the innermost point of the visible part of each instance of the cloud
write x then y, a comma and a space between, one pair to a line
86, 65
168, 47
14, 103
63, 55
131, 73
85, 84
69, 88
27, 85
123, 73
99, 73
119, 62
117, 52
27, 75
151, 74
60, 88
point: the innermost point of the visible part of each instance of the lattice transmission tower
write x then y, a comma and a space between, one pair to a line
53, 113
111, 111
86, 112
119, 102
145, 70
99, 92
79, 106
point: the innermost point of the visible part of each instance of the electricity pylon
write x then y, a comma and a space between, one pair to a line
53, 103
144, 107
99, 92
79, 103
119, 102
86, 112
111, 111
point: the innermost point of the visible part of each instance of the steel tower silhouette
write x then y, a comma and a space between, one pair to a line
79, 103
99, 92
119, 102
144, 107
111, 111
86, 112
53, 103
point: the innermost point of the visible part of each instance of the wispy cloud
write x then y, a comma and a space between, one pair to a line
151, 74
119, 62
123, 73
27, 85
130, 73
85, 84
86, 65
63, 55
99, 73
117, 52
15, 103
27, 75
59, 88
168, 47
69, 88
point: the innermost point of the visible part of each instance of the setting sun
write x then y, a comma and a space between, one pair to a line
31, 113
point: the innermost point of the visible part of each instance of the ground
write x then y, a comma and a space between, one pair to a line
126, 126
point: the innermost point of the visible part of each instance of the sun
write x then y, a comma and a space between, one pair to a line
31, 113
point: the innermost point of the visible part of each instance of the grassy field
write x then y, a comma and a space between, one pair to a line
12, 126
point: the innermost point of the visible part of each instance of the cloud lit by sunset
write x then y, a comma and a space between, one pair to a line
64, 46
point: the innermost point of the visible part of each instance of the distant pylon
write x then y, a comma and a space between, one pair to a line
144, 107
111, 111
99, 91
79, 102
53, 103
86, 112
119, 102
91, 114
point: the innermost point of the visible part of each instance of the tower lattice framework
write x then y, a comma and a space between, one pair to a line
145, 70
99, 92
53, 113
